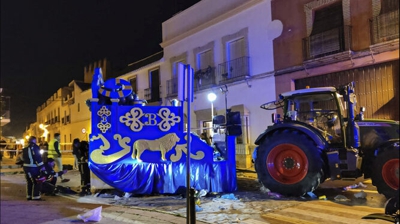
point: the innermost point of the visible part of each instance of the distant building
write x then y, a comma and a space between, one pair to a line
66, 112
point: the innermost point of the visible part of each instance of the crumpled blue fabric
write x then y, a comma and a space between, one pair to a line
161, 178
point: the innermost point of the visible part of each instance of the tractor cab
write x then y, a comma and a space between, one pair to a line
323, 108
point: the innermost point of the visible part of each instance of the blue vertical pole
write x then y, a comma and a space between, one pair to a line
190, 208
188, 149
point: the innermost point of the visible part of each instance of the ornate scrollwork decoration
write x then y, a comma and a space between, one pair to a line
168, 119
132, 119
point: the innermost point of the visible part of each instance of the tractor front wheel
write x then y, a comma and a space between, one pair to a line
289, 163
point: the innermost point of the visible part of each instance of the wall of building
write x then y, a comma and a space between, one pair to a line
297, 17
288, 49
253, 18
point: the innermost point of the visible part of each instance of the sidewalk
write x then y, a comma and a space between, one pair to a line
8, 166
111, 214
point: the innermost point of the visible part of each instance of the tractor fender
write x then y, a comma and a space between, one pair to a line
307, 130
391, 143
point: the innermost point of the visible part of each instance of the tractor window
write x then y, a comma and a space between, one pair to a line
318, 110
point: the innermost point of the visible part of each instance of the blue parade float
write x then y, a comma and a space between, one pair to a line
142, 149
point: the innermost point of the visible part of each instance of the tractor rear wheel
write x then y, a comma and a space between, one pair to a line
289, 163
385, 175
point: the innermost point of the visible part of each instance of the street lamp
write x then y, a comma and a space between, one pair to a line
212, 97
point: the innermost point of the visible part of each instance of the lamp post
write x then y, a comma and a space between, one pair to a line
212, 97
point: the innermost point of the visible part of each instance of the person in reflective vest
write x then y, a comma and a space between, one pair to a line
53, 151
33, 166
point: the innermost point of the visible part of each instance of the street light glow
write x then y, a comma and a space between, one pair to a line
211, 97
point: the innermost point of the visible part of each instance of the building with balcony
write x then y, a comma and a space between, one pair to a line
333, 42
66, 112
229, 44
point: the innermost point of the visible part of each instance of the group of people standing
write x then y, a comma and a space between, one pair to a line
39, 170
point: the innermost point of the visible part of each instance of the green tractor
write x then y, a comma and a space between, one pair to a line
320, 136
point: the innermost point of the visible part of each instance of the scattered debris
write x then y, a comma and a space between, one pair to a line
92, 215
237, 220
312, 195
105, 195
229, 196
353, 186
362, 185
360, 194
263, 189
274, 195
322, 197
341, 198
198, 208
127, 195
201, 193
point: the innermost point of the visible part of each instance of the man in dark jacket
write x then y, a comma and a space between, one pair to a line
33, 166
49, 185
75, 152
84, 168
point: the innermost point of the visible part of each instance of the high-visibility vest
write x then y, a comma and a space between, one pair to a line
51, 151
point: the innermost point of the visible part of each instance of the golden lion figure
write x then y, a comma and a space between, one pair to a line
163, 144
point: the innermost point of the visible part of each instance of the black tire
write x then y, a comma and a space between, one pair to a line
289, 163
385, 175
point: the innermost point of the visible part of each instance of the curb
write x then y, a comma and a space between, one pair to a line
10, 166
11, 173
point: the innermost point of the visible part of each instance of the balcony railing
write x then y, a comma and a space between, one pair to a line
172, 87
326, 43
234, 70
385, 27
204, 78
149, 96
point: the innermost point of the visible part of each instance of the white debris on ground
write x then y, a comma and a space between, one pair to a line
360, 194
234, 210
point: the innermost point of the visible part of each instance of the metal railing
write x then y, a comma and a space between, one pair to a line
172, 87
147, 94
234, 70
204, 78
385, 27
150, 97
326, 43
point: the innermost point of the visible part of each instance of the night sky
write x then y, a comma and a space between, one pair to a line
46, 44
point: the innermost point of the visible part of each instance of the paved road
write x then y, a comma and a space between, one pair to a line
254, 207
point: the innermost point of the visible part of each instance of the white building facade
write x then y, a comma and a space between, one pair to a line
229, 44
